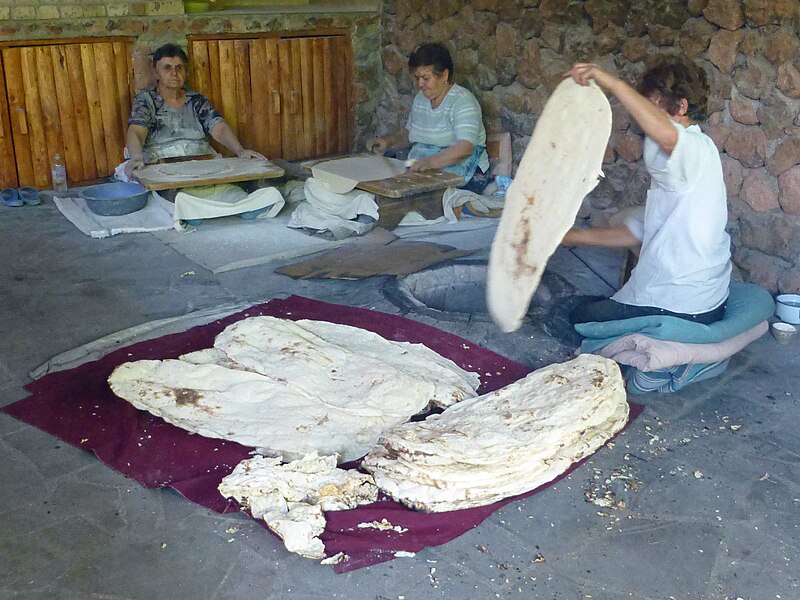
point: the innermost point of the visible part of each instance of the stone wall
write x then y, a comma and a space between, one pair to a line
153, 23
511, 54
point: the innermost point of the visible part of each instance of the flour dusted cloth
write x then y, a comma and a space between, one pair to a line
155, 216
324, 210
207, 202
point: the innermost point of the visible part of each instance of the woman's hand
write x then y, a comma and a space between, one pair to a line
132, 165
582, 73
378, 145
247, 153
420, 165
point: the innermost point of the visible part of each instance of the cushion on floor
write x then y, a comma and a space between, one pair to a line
748, 306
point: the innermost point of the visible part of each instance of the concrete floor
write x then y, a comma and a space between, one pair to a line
704, 487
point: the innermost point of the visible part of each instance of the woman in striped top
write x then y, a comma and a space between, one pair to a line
445, 127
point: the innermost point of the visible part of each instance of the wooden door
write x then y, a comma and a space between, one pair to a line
8, 168
240, 78
315, 90
285, 97
72, 99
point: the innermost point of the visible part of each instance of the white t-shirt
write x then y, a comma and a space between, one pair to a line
458, 117
684, 264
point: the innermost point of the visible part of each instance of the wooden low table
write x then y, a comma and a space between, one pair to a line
191, 173
396, 196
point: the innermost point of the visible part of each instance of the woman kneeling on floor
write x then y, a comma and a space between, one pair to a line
684, 265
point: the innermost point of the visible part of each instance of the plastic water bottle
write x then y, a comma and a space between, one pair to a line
59, 174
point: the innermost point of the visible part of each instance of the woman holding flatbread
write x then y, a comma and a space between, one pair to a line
445, 127
684, 264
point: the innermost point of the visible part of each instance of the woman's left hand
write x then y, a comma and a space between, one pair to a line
247, 153
420, 165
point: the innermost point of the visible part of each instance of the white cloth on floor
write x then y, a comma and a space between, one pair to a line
155, 216
294, 191
452, 199
207, 202
324, 210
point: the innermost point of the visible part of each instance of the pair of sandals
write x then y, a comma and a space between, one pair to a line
19, 197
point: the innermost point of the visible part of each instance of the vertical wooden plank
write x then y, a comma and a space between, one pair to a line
227, 77
275, 131
244, 101
351, 140
74, 71
123, 76
342, 98
213, 75
297, 100
8, 168
36, 127
49, 103
200, 77
330, 107
66, 114
129, 71
310, 133
287, 125
319, 96
95, 111
259, 97
114, 138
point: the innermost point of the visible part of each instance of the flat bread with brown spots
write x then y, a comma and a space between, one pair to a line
562, 163
294, 387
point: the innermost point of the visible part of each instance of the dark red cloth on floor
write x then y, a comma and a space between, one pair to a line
78, 406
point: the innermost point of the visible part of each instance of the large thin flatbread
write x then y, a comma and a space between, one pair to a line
562, 163
294, 387
343, 174
503, 443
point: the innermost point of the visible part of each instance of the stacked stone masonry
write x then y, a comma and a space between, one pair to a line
48, 10
512, 53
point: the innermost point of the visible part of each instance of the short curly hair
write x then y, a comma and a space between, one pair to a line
675, 79
433, 55
170, 51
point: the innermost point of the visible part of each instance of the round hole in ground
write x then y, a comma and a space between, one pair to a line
459, 288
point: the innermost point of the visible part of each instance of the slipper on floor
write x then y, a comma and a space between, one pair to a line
10, 197
30, 195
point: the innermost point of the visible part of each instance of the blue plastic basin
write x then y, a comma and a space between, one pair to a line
115, 198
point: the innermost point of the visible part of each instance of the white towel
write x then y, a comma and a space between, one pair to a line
208, 202
155, 216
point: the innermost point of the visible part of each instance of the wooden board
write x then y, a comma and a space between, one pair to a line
410, 184
205, 172
400, 186
392, 210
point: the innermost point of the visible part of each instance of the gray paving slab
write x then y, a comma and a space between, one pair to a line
698, 499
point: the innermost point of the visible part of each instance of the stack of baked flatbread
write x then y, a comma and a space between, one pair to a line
503, 443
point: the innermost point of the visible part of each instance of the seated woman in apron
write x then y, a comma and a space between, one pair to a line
445, 126
169, 120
